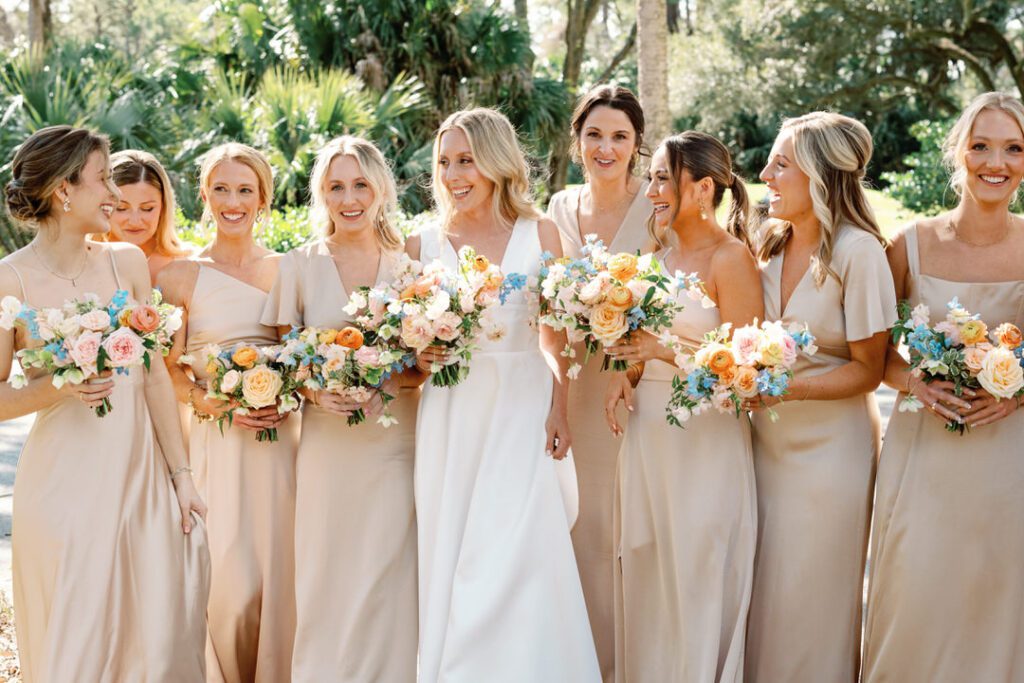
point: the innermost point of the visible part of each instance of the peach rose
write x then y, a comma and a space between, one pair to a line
973, 332
446, 327
608, 323
96, 321
1008, 335
620, 297
124, 348
350, 338
417, 332
1001, 374
745, 381
245, 356
623, 267
260, 386
974, 356
144, 319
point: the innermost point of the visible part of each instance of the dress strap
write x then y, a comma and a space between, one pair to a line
113, 265
913, 253
21, 283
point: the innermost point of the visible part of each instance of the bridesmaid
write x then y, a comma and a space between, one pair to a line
249, 485
947, 574
106, 586
686, 512
145, 213
500, 595
823, 264
355, 527
607, 136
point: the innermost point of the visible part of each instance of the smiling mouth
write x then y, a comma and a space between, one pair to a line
461, 193
352, 214
604, 163
107, 209
994, 179
660, 207
232, 217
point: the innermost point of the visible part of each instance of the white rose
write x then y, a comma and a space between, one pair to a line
230, 381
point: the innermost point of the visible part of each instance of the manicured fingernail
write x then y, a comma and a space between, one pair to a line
188, 529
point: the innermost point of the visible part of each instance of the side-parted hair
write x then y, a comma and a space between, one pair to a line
704, 156
954, 148
375, 170
833, 151
613, 97
47, 158
131, 166
243, 154
496, 152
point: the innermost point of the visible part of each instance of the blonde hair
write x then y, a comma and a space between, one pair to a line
375, 169
243, 154
833, 151
954, 148
131, 166
496, 152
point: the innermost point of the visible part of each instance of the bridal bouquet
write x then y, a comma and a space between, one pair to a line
756, 359
600, 298
251, 377
430, 305
84, 338
346, 362
961, 349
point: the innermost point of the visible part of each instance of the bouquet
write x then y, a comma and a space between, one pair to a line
600, 298
346, 362
83, 338
251, 377
429, 305
961, 350
757, 359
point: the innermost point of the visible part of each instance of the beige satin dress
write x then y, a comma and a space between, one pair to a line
106, 585
947, 569
815, 471
355, 524
249, 488
686, 527
593, 446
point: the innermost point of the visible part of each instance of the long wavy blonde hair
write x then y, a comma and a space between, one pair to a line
954, 147
833, 151
496, 152
375, 169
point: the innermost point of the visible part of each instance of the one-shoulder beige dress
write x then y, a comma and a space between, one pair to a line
687, 525
593, 446
355, 524
946, 587
815, 471
249, 488
106, 585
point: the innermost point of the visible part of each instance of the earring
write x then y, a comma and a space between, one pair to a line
703, 211
260, 215
67, 205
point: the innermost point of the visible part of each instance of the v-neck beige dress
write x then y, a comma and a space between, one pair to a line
687, 527
594, 448
947, 572
249, 488
107, 587
355, 525
815, 471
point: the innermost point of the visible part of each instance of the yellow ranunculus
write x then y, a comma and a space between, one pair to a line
327, 336
480, 263
245, 356
973, 332
622, 267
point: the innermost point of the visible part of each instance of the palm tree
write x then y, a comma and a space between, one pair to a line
652, 63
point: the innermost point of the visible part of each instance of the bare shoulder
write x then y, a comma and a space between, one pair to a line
412, 246
10, 285
129, 258
177, 280
550, 241
733, 256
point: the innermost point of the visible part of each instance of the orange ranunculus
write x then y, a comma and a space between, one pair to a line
623, 267
327, 336
480, 263
245, 356
1009, 336
973, 332
350, 338
721, 362
620, 297
144, 319
421, 287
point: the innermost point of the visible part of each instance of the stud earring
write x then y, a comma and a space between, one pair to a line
67, 205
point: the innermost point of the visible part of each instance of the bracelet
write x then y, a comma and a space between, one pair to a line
200, 416
183, 468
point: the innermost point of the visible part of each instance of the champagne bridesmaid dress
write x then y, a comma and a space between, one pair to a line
947, 568
355, 525
500, 596
594, 448
106, 585
687, 525
249, 488
815, 471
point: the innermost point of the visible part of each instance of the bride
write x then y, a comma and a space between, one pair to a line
500, 597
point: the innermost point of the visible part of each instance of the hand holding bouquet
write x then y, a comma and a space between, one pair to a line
725, 371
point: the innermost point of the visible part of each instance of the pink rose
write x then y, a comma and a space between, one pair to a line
366, 355
788, 350
446, 327
974, 358
744, 344
97, 320
417, 332
84, 350
951, 331
124, 348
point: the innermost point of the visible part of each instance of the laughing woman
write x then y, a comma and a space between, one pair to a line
249, 485
355, 529
823, 264
947, 574
106, 585
607, 136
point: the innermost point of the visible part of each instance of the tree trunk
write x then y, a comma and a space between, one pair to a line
652, 63
523, 12
40, 24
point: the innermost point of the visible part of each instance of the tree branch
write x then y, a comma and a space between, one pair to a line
623, 52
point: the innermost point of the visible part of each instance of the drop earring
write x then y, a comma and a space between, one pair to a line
67, 205
703, 211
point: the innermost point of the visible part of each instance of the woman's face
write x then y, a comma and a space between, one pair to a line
93, 199
674, 202
233, 197
994, 160
348, 195
469, 189
789, 188
607, 143
137, 216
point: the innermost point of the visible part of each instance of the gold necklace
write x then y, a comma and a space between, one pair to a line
953, 228
72, 279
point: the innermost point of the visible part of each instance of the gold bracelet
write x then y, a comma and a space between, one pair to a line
183, 468
200, 416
